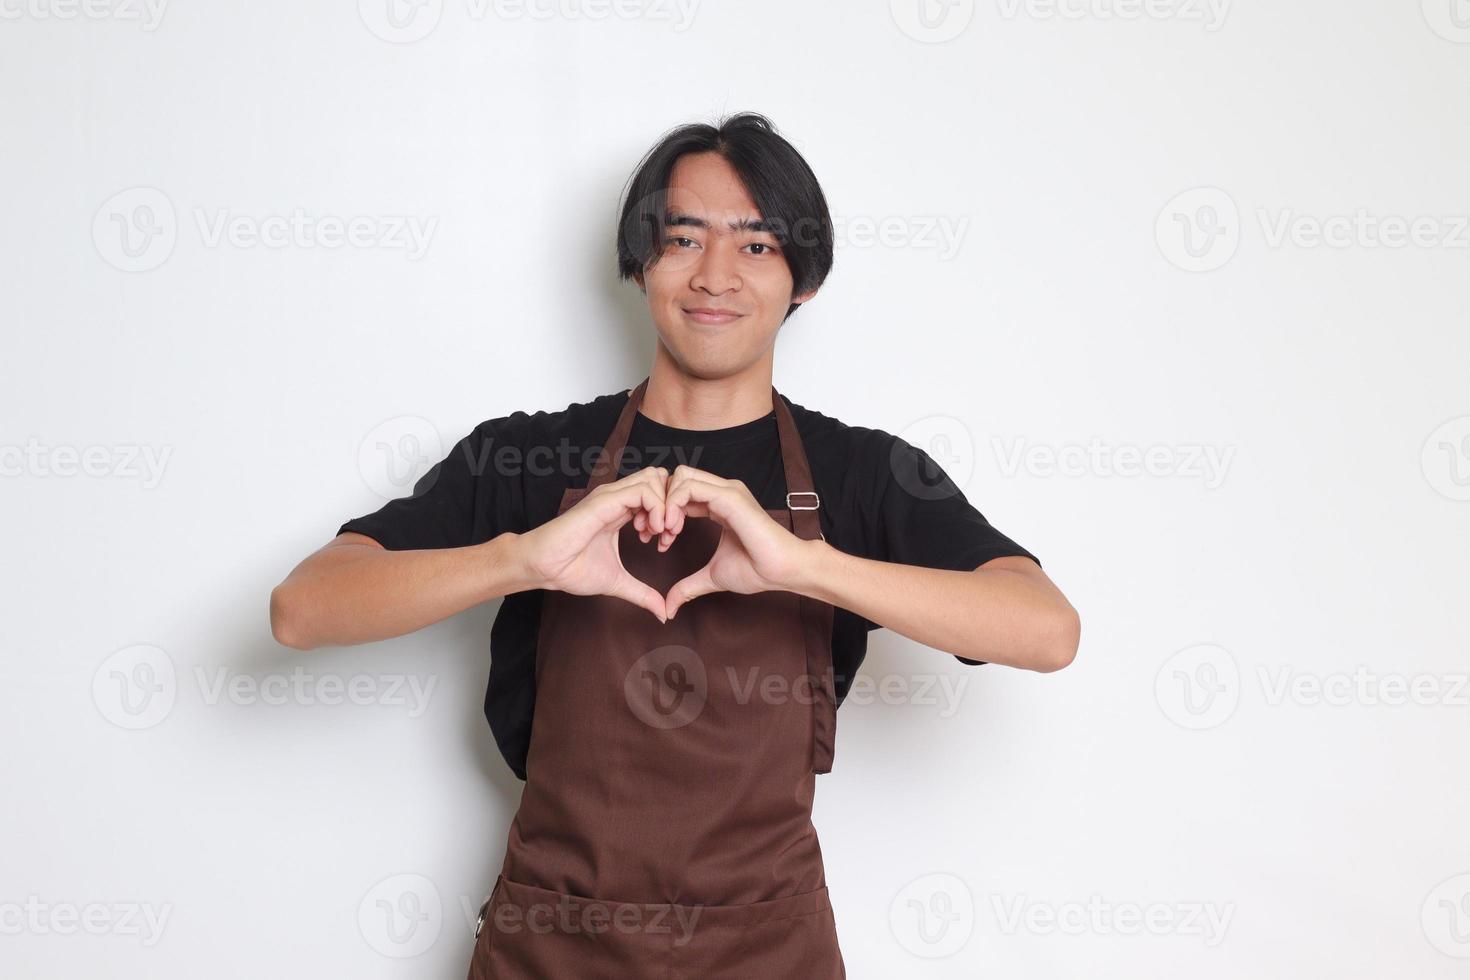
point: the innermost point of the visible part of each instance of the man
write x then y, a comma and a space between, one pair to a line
688, 590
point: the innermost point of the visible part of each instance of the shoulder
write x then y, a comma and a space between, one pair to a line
574, 423
852, 465
859, 451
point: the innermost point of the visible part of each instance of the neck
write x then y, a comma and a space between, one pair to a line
683, 401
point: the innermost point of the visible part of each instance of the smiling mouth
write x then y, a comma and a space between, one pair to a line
711, 315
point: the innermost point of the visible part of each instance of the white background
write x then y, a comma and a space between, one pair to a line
1182, 768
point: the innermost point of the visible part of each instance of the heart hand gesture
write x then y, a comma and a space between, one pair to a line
755, 554
577, 552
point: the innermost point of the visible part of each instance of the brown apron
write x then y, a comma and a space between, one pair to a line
665, 826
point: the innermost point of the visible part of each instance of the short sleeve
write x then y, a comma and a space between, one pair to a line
447, 506
923, 518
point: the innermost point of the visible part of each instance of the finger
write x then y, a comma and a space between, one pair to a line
628, 502
640, 594
700, 498
689, 587
650, 484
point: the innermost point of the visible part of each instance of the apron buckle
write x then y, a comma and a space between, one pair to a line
480, 920
816, 501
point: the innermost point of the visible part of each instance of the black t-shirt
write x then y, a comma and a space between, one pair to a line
881, 498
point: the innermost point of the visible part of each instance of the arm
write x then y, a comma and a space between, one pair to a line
1007, 611
353, 590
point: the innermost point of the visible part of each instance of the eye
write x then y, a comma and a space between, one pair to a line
679, 240
762, 245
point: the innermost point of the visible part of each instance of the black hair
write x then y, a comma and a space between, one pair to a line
783, 187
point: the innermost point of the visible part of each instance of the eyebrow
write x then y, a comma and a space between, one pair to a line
675, 219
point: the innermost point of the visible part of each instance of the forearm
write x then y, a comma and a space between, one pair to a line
356, 593
992, 614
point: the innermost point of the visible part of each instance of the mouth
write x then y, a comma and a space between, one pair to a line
712, 315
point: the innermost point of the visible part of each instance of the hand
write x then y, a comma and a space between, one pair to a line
755, 553
577, 552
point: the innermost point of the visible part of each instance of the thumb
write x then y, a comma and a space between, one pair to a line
639, 594
691, 586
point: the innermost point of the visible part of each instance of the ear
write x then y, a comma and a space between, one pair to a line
804, 297
638, 278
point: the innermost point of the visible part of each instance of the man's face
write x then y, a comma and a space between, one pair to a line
720, 287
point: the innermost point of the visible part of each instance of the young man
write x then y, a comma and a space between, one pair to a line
690, 569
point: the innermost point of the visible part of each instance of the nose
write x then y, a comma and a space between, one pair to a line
715, 271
